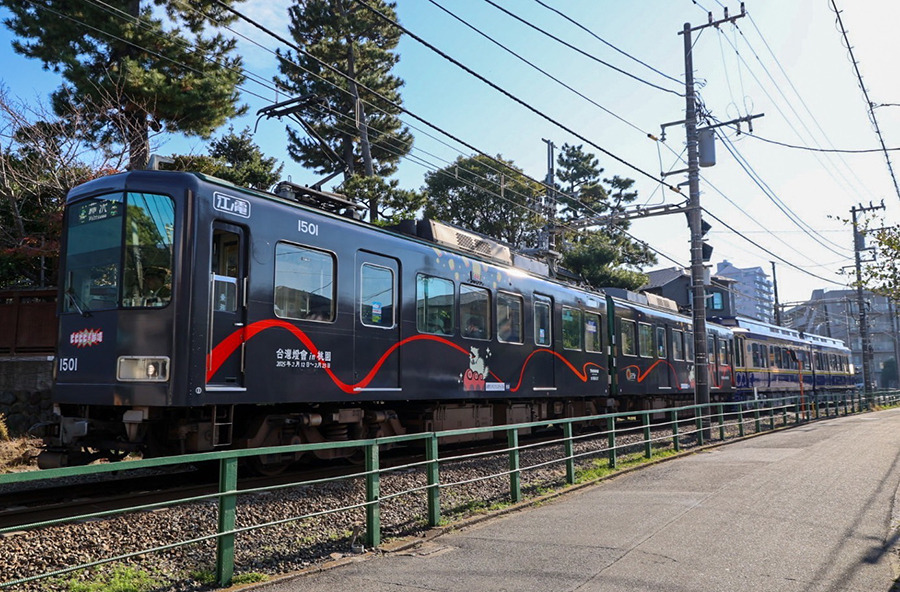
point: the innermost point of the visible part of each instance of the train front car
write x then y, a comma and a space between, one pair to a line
118, 303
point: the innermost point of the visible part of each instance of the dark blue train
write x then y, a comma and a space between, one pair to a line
196, 315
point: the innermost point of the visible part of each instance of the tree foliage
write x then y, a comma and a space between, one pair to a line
149, 74
364, 134
42, 156
477, 193
604, 255
882, 275
393, 204
235, 158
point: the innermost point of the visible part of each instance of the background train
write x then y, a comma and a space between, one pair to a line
196, 315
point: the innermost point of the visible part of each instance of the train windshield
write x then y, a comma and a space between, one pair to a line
119, 252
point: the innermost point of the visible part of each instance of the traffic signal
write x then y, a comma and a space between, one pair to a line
707, 248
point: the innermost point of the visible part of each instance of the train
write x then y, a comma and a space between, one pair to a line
195, 315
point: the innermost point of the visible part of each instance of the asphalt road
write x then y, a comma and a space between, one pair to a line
805, 509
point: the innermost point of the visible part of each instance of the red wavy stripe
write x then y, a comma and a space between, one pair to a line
641, 377
227, 347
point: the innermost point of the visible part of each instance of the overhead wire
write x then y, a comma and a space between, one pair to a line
575, 48
511, 96
869, 103
605, 42
662, 254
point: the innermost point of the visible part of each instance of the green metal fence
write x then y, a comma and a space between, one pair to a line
631, 433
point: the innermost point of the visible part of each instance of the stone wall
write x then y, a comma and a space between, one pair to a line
25, 384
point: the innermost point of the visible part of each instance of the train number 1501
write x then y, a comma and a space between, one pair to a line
68, 364
308, 227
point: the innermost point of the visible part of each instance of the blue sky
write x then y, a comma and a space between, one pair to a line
786, 59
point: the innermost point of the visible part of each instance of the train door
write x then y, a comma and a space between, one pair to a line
543, 362
376, 325
228, 307
665, 367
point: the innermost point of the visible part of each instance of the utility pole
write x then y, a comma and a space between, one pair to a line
695, 222
549, 241
859, 245
775, 290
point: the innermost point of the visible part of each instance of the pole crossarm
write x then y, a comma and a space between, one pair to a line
638, 212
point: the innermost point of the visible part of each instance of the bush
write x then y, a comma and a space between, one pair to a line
4, 432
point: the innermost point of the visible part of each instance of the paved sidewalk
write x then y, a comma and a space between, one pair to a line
806, 509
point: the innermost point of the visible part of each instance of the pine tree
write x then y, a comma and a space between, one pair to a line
362, 128
604, 254
174, 75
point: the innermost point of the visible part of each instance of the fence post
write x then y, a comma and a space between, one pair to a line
648, 445
570, 453
515, 477
675, 443
699, 410
373, 494
432, 471
611, 440
741, 419
756, 419
721, 421
228, 473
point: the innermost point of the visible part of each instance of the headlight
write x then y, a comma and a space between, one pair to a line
143, 369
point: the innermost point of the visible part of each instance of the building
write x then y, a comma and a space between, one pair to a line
754, 296
834, 313
674, 283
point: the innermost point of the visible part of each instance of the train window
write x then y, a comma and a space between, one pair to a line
434, 305
764, 354
645, 340
542, 323
677, 344
661, 342
572, 328
304, 283
710, 348
689, 346
723, 352
376, 296
136, 229
776, 356
593, 331
819, 365
626, 332
509, 317
475, 312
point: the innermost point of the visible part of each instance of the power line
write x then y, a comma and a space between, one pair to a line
574, 48
605, 42
511, 96
538, 68
869, 103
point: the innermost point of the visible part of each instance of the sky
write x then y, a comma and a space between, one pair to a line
785, 60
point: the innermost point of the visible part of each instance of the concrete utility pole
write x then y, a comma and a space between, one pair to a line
695, 222
859, 245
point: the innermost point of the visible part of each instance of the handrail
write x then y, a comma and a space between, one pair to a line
723, 417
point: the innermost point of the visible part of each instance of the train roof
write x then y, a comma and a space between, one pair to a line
761, 328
